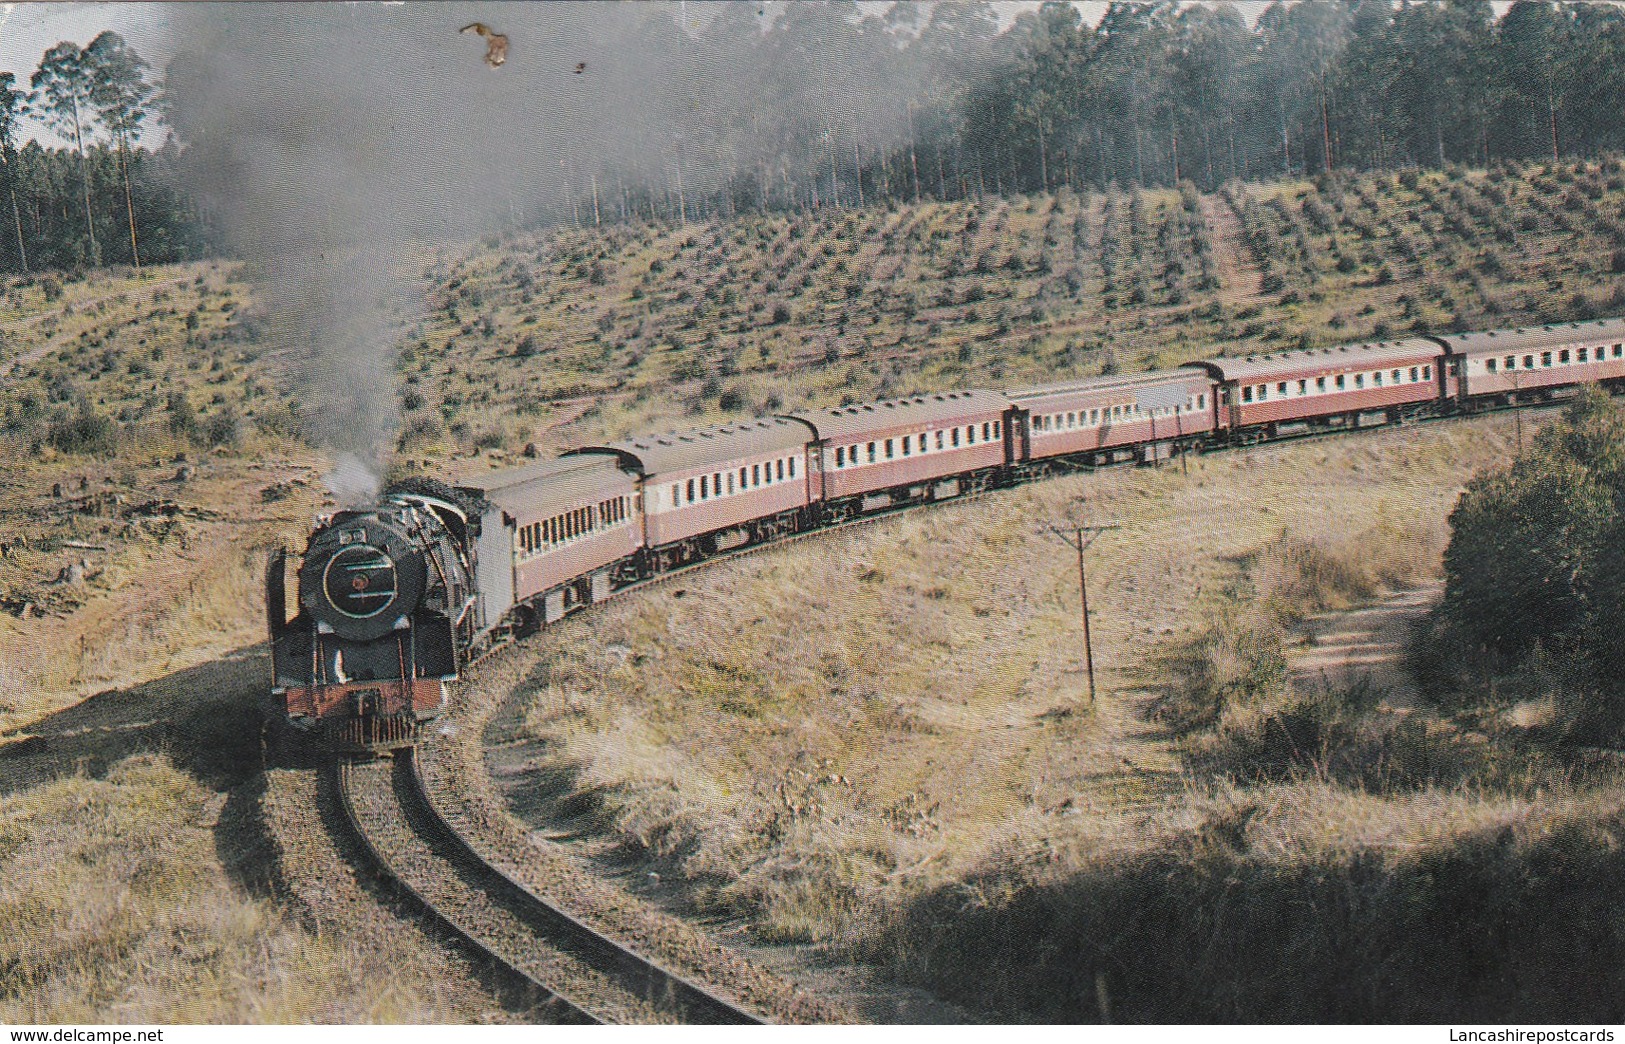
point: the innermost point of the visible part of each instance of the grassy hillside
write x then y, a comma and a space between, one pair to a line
882, 743
581, 333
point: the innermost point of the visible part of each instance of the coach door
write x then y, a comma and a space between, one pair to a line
815, 473
1227, 409
1018, 443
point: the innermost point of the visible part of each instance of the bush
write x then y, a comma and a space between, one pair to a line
223, 429
182, 416
1533, 573
84, 431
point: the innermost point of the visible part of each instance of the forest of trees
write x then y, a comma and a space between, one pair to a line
826, 104
104, 199
810, 105
1157, 93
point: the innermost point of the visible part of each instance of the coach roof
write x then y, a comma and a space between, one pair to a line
934, 410
1115, 382
532, 487
1308, 363
1595, 332
705, 447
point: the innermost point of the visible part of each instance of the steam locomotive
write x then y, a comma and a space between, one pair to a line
396, 597
388, 608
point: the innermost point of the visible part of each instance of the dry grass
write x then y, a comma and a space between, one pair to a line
125, 899
814, 738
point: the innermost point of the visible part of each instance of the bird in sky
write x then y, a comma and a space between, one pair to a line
496, 45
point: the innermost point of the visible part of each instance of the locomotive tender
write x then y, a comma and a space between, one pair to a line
396, 597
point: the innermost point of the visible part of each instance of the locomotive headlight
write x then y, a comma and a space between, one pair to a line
360, 581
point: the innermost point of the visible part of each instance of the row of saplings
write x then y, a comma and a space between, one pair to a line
1534, 600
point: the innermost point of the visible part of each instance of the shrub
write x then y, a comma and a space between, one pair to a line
84, 431
1533, 568
182, 416
223, 429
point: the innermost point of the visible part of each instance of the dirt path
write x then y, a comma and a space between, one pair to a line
1240, 277
1367, 643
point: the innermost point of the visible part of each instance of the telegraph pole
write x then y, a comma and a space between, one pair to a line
1080, 537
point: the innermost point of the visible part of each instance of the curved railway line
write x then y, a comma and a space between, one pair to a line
542, 955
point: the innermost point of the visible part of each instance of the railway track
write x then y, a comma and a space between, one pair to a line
541, 955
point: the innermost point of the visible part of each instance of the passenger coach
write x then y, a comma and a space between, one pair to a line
927, 447
1144, 415
1509, 363
1262, 396
717, 488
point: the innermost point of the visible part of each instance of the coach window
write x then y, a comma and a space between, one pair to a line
889, 449
1280, 389
922, 442
1489, 364
995, 429
953, 438
690, 491
716, 484
1320, 384
1339, 382
705, 486
907, 442
970, 434
1247, 394
1580, 356
985, 435
1529, 362
1563, 356
1619, 349
730, 482
1545, 358
939, 440
792, 467
1376, 378
675, 493
840, 456
1510, 362
1396, 376
871, 453
781, 469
